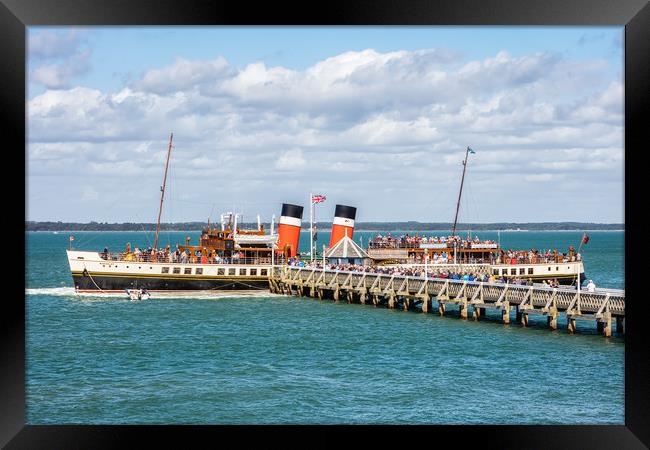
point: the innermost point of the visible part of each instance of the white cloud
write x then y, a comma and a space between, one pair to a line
358, 122
291, 160
49, 44
88, 194
184, 74
57, 58
59, 75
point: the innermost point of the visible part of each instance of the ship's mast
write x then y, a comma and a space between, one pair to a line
162, 190
462, 180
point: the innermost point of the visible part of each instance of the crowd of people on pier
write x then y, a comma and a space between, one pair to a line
420, 272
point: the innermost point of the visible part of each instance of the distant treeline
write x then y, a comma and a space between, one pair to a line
378, 226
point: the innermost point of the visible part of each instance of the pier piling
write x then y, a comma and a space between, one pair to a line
552, 318
408, 292
571, 325
505, 308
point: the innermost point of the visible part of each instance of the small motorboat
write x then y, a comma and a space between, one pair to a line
138, 294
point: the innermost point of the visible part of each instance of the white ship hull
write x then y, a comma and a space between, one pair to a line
90, 272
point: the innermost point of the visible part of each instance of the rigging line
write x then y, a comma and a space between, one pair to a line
86, 242
146, 235
172, 190
471, 204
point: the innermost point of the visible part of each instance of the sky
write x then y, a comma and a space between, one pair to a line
373, 117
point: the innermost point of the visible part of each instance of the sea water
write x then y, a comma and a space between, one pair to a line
251, 357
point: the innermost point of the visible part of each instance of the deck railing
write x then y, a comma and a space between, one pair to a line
462, 245
168, 259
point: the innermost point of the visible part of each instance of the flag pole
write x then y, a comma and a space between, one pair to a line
426, 260
315, 234
311, 227
581, 241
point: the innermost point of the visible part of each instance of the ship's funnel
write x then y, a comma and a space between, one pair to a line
289, 228
343, 223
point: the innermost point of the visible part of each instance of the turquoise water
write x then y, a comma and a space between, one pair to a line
245, 358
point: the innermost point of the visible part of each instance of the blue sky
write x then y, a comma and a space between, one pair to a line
300, 109
123, 53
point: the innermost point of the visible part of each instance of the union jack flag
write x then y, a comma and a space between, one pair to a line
318, 198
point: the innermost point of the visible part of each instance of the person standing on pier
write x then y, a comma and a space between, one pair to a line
591, 287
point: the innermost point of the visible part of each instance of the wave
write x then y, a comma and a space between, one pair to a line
201, 295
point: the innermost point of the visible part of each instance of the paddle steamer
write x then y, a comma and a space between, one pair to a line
458, 255
464, 254
226, 258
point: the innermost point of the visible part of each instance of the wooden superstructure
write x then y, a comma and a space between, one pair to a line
231, 242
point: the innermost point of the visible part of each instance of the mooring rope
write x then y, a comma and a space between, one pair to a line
91, 278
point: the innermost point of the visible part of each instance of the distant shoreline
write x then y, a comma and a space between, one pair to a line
306, 230
406, 227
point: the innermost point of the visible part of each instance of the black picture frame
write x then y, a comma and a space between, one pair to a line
16, 15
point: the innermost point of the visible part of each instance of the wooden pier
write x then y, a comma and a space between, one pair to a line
473, 298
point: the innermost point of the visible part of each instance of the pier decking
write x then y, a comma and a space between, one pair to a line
418, 293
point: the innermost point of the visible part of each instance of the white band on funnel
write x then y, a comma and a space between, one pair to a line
286, 220
343, 221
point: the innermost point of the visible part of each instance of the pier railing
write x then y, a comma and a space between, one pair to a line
409, 291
